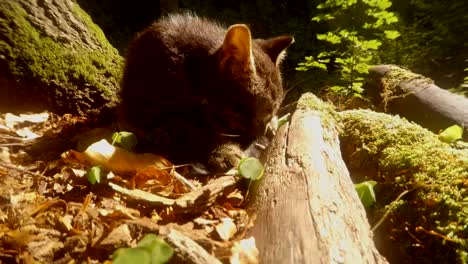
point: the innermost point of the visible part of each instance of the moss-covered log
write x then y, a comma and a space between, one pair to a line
307, 208
429, 224
52, 56
417, 98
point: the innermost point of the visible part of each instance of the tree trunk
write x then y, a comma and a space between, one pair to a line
417, 98
307, 208
52, 56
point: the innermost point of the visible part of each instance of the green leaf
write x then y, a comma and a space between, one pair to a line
340, 61
131, 255
126, 140
337, 88
391, 34
330, 37
160, 251
321, 17
150, 250
251, 168
282, 120
372, 44
319, 65
344, 33
366, 192
362, 68
357, 87
95, 174
451, 134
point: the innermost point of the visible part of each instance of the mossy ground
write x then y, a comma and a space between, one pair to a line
430, 223
39, 60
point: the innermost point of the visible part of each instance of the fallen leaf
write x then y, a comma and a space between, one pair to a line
115, 159
118, 237
235, 198
11, 120
26, 133
226, 229
152, 173
244, 252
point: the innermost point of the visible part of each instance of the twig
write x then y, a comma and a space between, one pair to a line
12, 167
388, 211
183, 180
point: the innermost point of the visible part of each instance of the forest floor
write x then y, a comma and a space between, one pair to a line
88, 202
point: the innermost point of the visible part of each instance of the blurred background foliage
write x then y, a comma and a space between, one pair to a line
432, 40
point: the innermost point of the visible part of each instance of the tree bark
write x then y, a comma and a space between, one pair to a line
53, 57
307, 208
417, 98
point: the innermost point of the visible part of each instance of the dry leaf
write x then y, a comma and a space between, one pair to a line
23, 197
245, 252
120, 212
26, 133
11, 120
115, 159
154, 174
235, 198
66, 222
226, 229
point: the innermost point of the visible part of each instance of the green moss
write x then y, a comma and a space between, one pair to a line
394, 78
404, 156
31, 55
326, 111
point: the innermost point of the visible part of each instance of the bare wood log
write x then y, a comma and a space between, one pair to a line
307, 208
417, 98
190, 251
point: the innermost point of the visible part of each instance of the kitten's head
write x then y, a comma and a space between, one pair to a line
250, 69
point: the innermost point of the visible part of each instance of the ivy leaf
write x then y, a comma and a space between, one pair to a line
131, 255
161, 252
391, 34
126, 140
150, 250
251, 168
95, 174
366, 192
451, 134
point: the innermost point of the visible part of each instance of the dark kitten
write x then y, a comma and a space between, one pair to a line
196, 92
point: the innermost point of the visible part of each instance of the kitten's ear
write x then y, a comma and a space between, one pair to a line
238, 45
276, 47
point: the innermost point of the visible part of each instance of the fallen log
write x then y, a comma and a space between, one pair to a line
417, 98
306, 206
420, 215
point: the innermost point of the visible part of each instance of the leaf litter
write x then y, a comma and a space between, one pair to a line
51, 213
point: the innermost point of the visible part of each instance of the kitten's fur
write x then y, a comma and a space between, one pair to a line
196, 92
